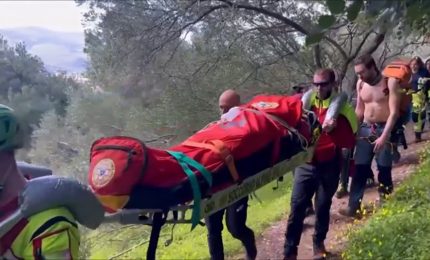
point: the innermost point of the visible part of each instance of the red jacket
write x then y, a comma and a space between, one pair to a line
342, 136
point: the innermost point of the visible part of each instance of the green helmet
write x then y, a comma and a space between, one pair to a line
11, 136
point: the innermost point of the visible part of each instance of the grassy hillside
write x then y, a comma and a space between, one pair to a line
401, 229
191, 244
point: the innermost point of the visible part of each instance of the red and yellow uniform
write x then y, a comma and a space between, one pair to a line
342, 136
51, 234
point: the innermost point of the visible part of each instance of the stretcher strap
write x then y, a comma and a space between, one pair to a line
218, 147
185, 162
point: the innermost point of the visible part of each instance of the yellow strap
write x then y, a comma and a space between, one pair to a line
113, 202
218, 147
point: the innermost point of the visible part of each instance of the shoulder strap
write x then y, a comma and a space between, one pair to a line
7, 240
49, 224
360, 86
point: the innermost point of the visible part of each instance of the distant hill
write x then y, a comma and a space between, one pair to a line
58, 50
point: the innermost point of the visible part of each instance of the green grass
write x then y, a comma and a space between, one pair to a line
401, 228
192, 244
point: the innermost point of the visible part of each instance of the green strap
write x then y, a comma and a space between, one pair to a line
206, 174
185, 162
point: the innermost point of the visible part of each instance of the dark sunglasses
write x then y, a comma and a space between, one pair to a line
321, 84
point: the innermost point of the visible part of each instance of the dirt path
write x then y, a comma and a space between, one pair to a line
271, 241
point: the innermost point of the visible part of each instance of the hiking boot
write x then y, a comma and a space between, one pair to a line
291, 257
348, 212
290, 253
320, 252
384, 191
341, 192
250, 247
417, 137
383, 197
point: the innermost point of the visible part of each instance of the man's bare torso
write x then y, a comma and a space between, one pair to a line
375, 99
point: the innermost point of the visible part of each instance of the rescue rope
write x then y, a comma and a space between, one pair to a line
372, 138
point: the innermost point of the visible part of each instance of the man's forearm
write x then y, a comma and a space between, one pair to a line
391, 122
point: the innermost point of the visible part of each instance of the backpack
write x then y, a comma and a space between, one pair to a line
116, 162
401, 71
7, 240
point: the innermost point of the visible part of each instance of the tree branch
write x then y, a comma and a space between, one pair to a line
317, 55
372, 48
363, 41
268, 13
285, 20
378, 40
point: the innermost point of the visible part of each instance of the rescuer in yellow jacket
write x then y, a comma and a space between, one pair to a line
51, 234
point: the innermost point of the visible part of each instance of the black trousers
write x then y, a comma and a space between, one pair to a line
321, 179
310, 204
236, 224
398, 134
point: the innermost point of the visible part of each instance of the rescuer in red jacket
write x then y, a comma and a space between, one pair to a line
321, 175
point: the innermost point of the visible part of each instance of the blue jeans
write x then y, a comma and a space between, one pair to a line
364, 148
363, 159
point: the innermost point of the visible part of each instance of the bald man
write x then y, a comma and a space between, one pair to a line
227, 100
236, 213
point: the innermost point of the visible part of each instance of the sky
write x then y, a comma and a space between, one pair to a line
50, 29
62, 16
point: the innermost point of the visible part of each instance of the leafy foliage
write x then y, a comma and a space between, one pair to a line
26, 86
335, 6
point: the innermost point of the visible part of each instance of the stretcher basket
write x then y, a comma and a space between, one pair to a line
156, 218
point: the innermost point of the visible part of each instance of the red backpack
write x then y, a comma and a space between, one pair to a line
114, 162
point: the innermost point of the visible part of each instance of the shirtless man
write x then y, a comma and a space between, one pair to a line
377, 110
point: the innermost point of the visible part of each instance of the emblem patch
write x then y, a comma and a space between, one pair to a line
265, 105
103, 173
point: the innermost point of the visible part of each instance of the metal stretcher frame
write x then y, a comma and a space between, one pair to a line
156, 218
